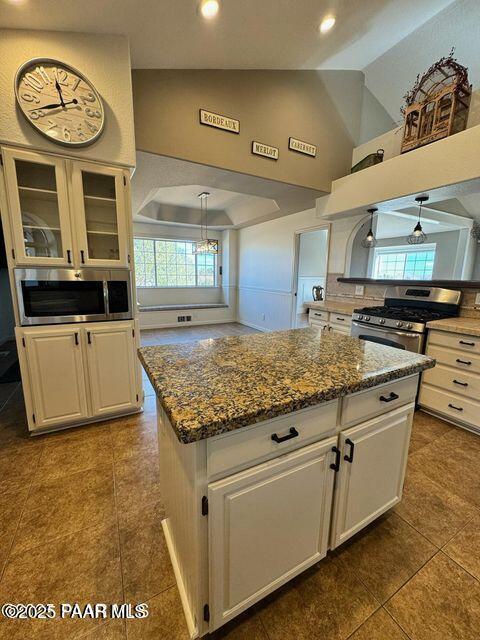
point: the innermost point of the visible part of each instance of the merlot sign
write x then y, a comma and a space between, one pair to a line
265, 150
219, 122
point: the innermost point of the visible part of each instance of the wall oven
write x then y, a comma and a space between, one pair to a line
59, 296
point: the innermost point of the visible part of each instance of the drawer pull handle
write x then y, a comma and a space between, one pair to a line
293, 433
336, 465
452, 406
464, 361
392, 396
468, 344
89, 337
76, 338
341, 319
462, 384
349, 457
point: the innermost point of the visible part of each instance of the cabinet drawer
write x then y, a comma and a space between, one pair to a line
368, 404
318, 316
340, 319
470, 362
455, 341
453, 381
450, 404
252, 445
340, 328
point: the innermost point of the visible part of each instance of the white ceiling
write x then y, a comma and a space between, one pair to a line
247, 34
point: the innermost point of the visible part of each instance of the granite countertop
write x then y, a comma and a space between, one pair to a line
213, 386
337, 306
470, 326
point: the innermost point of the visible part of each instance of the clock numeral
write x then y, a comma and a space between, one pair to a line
61, 76
93, 128
51, 125
43, 74
79, 131
66, 134
38, 113
93, 113
33, 82
76, 83
30, 97
88, 98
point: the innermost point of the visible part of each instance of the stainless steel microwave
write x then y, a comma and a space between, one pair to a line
58, 296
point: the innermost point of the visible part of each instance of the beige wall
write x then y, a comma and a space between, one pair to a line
271, 106
104, 59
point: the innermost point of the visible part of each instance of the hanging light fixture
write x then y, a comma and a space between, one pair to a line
370, 241
205, 244
418, 236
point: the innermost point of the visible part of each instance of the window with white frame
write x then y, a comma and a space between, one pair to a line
404, 262
172, 263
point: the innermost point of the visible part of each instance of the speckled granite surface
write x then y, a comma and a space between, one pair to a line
213, 386
470, 326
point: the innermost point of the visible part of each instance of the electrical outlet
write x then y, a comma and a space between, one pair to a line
180, 318
188, 318
359, 290
477, 300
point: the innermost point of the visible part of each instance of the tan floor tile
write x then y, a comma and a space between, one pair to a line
64, 505
113, 630
425, 429
147, 570
380, 626
386, 554
431, 509
247, 626
14, 433
18, 468
327, 602
11, 505
165, 621
441, 602
82, 567
137, 483
67, 453
135, 436
464, 548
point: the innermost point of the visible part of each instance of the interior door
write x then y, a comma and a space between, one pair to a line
266, 525
39, 208
56, 373
372, 471
98, 195
111, 365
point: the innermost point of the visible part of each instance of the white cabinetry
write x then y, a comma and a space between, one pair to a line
266, 525
330, 321
452, 389
371, 475
76, 373
66, 213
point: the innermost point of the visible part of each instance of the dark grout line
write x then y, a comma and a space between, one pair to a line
460, 566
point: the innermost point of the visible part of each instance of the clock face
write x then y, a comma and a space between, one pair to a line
59, 102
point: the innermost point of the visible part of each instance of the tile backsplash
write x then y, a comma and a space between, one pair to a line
375, 293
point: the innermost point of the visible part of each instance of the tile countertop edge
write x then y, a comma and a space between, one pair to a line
188, 434
469, 326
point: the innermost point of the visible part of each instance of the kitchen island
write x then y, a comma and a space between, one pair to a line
274, 448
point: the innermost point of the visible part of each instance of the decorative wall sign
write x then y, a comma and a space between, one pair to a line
260, 149
219, 122
302, 147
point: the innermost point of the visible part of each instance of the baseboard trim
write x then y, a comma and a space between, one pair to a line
253, 326
194, 323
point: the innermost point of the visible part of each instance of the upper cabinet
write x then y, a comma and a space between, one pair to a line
64, 212
99, 208
39, 209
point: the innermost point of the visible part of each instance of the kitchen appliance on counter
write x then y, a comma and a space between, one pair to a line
59, 296
401, 321
317, 293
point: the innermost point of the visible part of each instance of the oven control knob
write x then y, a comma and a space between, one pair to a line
367, 318
360, 317
409, 325
382, 320
399, 324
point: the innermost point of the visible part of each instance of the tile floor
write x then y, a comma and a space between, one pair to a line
80, 515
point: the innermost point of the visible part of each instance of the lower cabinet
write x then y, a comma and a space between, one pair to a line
73, 373
372, 470
266, 525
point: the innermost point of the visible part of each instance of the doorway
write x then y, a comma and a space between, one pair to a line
311, 260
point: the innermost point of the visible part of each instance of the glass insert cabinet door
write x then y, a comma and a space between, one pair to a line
99, 202
38, 200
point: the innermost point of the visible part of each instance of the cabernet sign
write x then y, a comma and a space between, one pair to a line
219, 122
260, 149
302, 147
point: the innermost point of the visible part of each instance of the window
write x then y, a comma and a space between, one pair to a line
404, 263
172, 263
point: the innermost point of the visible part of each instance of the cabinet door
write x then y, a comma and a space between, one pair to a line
339, 328
98, 199
111, 366
372, 470
266, 525
56, 373
39, 208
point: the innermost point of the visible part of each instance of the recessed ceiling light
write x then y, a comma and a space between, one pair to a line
209, 8
326, 24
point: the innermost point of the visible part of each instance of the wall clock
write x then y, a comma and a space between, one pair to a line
59, 102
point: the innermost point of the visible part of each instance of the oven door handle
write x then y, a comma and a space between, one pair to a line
382, 330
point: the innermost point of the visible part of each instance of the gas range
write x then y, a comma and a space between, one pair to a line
401, 321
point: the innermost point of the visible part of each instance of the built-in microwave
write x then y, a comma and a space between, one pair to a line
58, 296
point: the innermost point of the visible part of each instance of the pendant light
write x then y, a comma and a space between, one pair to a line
418, 236
370, 241
205, 244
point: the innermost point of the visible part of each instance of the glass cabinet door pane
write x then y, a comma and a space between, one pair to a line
37, 190
101, 222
